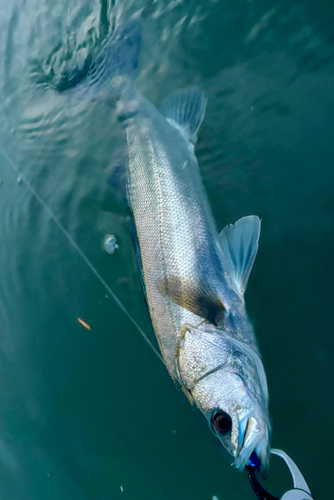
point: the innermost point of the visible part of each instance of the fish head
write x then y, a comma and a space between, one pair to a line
235, 417
227, 382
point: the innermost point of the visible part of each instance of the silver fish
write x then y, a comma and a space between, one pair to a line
194, 277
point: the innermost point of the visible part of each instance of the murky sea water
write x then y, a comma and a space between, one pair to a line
93, 414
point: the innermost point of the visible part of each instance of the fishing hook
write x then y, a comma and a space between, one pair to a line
301, 491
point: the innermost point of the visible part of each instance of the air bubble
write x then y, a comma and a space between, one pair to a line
110, 244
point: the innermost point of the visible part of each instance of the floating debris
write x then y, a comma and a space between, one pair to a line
84, 324
121, 488
19, 180
110, 244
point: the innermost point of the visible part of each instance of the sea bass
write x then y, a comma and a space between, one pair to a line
194, 277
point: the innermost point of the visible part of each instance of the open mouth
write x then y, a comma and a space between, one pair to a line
254, 440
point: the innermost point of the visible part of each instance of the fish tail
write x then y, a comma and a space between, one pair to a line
114, 68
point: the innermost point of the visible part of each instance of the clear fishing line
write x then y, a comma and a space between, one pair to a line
78, 249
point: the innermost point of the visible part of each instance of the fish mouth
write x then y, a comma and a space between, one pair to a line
253, 438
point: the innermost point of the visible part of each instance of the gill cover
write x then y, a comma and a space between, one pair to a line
224, 374
203, 353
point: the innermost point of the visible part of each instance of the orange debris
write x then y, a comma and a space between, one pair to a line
84, 324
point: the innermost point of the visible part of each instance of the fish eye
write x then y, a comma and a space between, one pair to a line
221, 422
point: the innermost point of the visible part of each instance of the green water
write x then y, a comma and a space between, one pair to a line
87, 414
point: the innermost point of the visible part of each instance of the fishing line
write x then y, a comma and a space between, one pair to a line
78, 249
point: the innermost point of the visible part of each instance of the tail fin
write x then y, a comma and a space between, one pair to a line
118, 58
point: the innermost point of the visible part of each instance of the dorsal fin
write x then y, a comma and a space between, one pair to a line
239, 243
184, 110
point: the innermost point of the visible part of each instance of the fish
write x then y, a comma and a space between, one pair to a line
194, 277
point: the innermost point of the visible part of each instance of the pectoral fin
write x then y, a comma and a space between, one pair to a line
197, 297
239, 243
